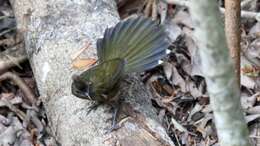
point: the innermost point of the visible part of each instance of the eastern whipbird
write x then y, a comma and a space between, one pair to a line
133, 45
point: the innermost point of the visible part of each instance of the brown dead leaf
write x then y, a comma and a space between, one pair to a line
81, 64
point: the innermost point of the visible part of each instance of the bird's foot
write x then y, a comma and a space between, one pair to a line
112, 128
115, 113
93, 107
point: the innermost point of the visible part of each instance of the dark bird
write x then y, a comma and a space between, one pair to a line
133, 45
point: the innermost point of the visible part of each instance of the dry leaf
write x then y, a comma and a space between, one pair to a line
178, 80
248, 101
194, 91
183, 17
178, 126
254, 110
167, 68
81, 64
194, 54
251, 118
173, 30
247, 82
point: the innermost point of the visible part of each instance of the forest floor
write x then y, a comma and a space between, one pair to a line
177, 85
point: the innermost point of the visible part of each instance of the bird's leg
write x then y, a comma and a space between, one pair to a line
114, 126
115, 113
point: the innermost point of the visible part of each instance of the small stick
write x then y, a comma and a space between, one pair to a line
11, 57
14, 109
147, 9
3, 17
22, 85
154, 10
233, 34
76, 55
6, 31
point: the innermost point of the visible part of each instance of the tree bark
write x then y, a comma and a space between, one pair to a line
218, 70
53, 31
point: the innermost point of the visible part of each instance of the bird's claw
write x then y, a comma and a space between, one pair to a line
112, 128
93, 107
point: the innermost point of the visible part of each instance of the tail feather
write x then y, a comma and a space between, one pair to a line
145, 66
155, 57
139, 51
140, 42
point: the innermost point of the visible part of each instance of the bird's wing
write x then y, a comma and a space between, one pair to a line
104, 75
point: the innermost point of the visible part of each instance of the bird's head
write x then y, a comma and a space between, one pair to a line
81, 88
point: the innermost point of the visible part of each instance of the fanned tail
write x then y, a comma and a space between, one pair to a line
140, 41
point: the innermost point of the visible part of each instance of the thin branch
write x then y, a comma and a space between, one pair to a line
4, 17
14, 109
12, 57
233, 34
22, 85
6, 31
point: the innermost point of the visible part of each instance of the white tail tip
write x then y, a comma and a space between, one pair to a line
168, 51
160, 62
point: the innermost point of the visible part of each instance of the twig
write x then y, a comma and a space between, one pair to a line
22, 85
154, 10
12, 101
14, 109
148, 7
6, 31
17, 55
76, 55
233, 34
3, 17
7, 42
